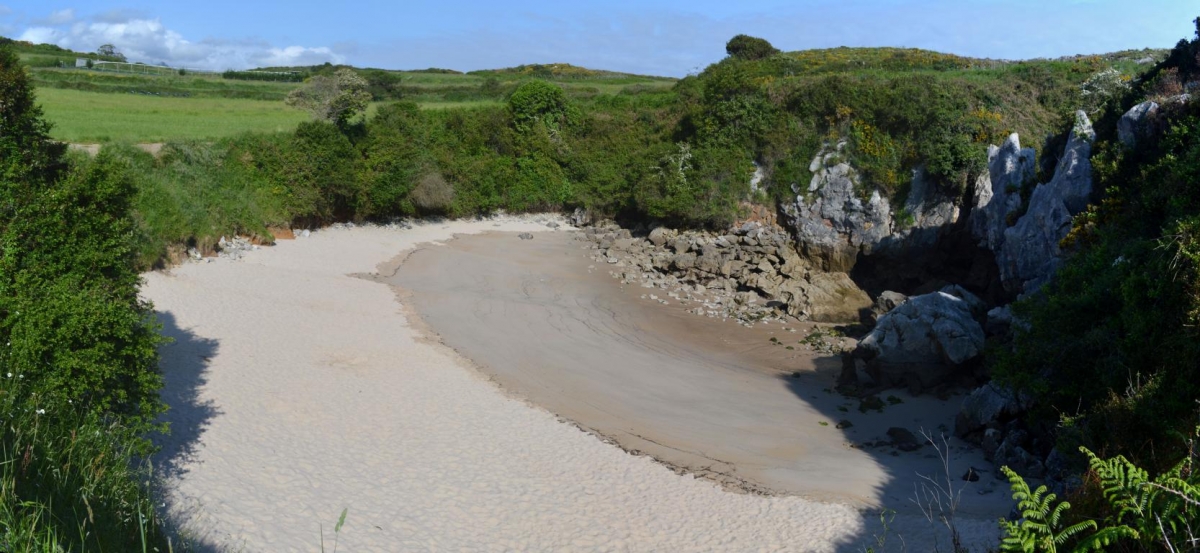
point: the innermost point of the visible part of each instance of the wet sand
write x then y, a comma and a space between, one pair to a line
705, 396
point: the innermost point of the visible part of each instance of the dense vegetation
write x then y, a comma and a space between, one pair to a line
78, 371
1110, 353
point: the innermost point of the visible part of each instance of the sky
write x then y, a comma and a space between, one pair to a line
655, 37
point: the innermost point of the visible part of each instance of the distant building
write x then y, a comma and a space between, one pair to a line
80, 62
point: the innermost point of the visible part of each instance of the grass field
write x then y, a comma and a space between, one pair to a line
87, 117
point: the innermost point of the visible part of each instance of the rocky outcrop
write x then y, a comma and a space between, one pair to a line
925, 339
926, 215
837, 225
998, 194
1027, 247
1134, 123
988, 407
750, 273
1030, 253
831, 222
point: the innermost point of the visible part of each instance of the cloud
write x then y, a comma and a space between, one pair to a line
60, 17
148, 40
4, 10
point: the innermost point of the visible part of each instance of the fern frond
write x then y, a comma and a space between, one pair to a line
1106, 537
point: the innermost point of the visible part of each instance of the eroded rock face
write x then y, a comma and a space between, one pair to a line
998, 194
831, 223
1030, 253
834, 223
924, 339
1027, 249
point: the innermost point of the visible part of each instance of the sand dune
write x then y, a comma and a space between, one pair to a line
299, 389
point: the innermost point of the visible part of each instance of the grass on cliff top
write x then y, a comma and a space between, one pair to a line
87, 117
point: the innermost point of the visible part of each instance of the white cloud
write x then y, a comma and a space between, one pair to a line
148, 40
60, 17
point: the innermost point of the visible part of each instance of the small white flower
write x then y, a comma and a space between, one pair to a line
10, 375
41, 411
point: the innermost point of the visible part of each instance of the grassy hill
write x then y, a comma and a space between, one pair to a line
88, 105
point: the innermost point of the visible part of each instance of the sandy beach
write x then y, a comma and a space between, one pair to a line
301, 385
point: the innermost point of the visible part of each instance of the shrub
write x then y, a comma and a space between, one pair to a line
433, 194
1146, 514
78, 373
319, 174
332, 98
538, 101
749, 48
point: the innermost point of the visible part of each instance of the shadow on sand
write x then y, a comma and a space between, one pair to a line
184, 363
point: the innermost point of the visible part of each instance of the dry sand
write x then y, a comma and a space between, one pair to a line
299, 389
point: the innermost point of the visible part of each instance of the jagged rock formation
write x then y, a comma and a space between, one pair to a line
751, 273
832, 224
925, 339
838, 229
1027, 249
998, 194
1133, 124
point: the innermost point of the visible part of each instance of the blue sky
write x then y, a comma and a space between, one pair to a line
663, 37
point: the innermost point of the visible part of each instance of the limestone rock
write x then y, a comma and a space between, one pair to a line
1134, 123
987, 407
1030, 253
924, 339
998, 194
660, 236
830, 221
927, 213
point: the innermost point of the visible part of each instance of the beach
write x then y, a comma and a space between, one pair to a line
320, 375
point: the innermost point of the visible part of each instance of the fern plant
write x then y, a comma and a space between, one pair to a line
1040, 528
1164, 511
1155, 514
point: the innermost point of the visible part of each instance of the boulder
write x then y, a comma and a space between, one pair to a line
1030, 252
660, 236
998, 194
1134, 123
581, 217
889, 300
830, 298
987, 408
924, 340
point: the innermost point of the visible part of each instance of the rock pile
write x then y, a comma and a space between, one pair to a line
751, 273
234, 249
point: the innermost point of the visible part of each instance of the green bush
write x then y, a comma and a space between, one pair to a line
538, 101
319, 174
78, 371
1113, 341
749, 48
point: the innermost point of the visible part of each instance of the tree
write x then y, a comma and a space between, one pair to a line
538, 101
110, 51
747, 47
332, 98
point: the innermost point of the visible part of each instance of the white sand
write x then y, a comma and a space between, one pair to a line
301, 390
